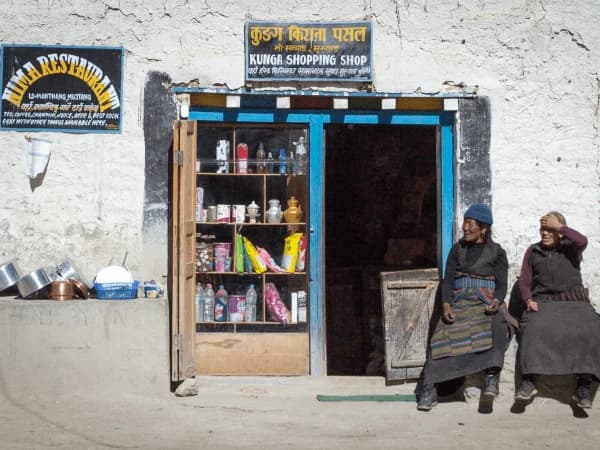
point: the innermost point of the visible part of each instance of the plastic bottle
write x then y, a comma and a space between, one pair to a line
270, 163
261, 166
209, 303
199, 303
282, 162
251, 299
292, 164
301, 156
221, 304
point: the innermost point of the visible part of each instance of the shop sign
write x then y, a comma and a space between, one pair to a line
318, 51
59, 88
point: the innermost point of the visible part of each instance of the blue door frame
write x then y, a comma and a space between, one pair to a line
316, 121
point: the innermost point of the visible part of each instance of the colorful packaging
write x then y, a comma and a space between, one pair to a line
290, 252
269, 261
238, 250
258, 264
237, 308
277, 309
301, 262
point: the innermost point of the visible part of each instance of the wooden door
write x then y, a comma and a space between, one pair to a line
408, 302
183, 248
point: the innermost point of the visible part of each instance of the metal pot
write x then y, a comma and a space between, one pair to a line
9, 275
69, 272
33, 282
61, 290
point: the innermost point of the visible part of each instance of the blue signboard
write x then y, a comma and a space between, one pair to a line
304, 51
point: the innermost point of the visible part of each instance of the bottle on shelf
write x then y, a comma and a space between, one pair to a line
251, 299
209, 303
261, 156
270, 163
301, 156
221, 304
292, 164
199, 303
282, 162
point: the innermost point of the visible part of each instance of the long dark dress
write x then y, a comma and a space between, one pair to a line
475, 260
563, 337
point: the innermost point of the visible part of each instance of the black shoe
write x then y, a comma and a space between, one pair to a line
526, 390
582, 393
492, 384
427, 397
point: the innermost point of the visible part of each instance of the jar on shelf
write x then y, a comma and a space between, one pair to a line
294, 212
274, 213
204, 256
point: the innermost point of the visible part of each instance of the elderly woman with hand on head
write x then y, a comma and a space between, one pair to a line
560, 330
470, 337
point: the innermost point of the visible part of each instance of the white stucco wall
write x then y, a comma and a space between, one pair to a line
536, 61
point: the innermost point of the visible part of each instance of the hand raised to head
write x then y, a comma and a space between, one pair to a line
551, 222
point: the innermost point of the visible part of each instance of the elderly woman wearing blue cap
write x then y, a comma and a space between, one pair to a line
470, 337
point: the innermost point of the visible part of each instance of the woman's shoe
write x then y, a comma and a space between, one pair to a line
427, 397
526, 390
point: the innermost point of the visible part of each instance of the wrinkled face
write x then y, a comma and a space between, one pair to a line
472, 232
550, 238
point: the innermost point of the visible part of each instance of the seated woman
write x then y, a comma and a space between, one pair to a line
470, 337
560, 330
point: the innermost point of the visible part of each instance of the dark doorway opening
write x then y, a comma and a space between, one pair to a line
381, 215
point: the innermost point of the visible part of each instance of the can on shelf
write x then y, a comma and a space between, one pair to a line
211, 214
223, 213
238, 213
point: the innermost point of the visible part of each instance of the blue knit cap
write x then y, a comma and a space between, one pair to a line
479, 212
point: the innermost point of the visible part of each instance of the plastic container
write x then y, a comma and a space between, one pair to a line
237, 308
282, 162
117, 291
209, 303
199, 303
221, 305
221, 249
250, 306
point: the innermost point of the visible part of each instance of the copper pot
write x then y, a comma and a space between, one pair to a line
61, 290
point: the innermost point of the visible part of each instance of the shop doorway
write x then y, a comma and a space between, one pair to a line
381, 213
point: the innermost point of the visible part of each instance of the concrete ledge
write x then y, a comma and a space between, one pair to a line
110, 346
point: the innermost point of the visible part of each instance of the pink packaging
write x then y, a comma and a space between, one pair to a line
223, 213
242, 156
277, 309
221, 249
237, 308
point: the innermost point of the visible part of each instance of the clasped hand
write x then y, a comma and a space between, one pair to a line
449, 315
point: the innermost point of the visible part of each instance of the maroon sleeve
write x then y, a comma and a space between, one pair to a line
579, 240
525, 279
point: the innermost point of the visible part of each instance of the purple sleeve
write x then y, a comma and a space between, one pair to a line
525, 279
579, 240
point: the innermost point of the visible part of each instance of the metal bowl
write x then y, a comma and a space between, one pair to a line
33, 282
68, 271
61, 290
9, 275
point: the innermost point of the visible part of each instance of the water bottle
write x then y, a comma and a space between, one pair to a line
251, 299
261, 165
282, 162
270, 163
301, 156
221, 304
209, 303
199, 303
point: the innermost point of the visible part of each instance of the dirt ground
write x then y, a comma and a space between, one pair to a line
277, 413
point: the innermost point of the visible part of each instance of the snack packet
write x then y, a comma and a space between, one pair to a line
301, 262
258, 264
290, 252
277, 309
269, 261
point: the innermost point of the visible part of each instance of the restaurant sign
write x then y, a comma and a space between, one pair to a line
318, 51
58, 88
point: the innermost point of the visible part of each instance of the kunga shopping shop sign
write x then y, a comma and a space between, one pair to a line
318, 51
58, 88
